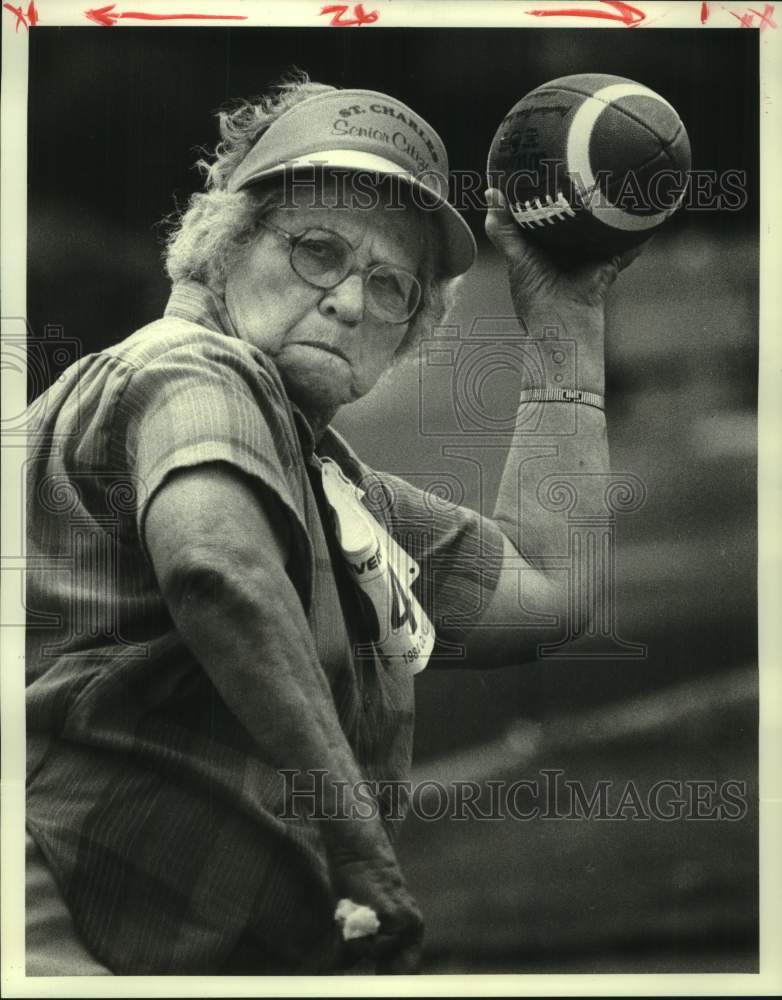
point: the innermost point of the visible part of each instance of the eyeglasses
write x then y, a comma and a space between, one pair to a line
324, 259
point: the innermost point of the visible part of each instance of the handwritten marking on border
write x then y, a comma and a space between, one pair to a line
747, 20
360, 16
107, 17
623, 12
27, 19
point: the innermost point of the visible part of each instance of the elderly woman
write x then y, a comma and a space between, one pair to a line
230, 605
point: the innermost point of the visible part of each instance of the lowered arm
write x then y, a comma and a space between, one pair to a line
219, 551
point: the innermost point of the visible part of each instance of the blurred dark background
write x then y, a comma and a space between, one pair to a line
115, 119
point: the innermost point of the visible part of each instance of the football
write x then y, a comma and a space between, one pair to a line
590, 165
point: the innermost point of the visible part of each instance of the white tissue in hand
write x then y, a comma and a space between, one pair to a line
356, 921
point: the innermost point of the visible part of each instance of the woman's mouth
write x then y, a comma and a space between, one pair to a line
329, 348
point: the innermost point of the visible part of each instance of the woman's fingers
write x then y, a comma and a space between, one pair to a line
541, 280
500, 225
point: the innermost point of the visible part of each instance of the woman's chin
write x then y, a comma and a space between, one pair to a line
318, 386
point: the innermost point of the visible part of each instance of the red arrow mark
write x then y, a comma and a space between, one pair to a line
106, 16
624, 12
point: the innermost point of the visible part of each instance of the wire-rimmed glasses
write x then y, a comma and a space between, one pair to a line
324, 259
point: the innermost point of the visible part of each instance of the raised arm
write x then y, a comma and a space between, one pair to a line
562, 314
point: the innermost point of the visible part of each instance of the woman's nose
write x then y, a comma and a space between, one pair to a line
345, 301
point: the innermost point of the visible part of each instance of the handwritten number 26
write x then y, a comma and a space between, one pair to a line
341, 20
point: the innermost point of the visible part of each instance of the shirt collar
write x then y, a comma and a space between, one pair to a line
197, 303
306, 436
194, 301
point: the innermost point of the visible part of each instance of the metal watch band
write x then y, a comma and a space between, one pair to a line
562, 396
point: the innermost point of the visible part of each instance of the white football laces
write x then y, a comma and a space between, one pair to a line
538, 213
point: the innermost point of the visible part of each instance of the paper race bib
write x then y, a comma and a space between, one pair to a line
384, 574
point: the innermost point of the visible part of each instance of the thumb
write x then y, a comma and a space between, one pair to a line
501, 227
507, 236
